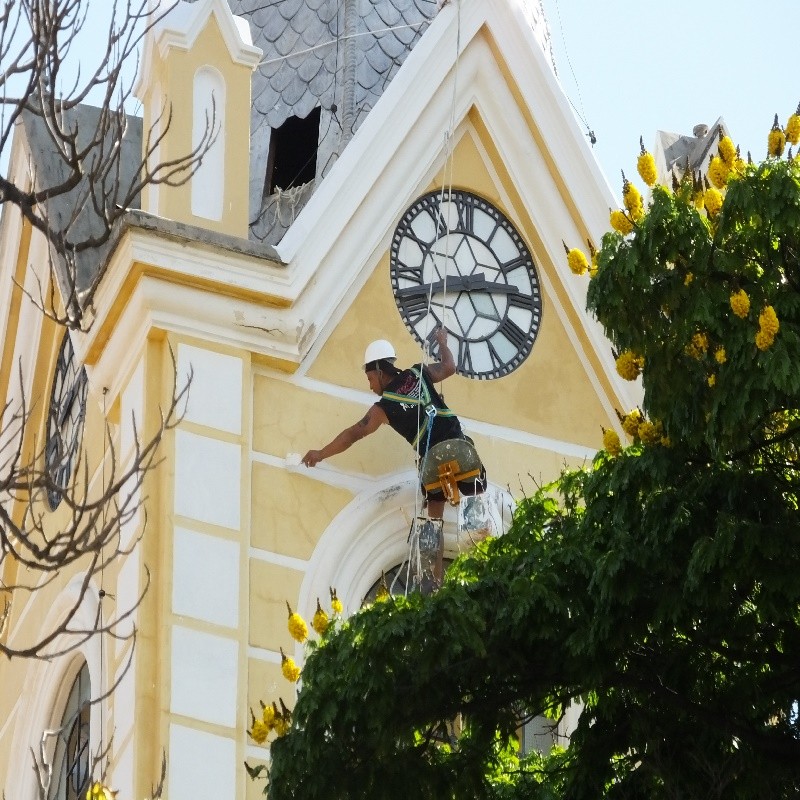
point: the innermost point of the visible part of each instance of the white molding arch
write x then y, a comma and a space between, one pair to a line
47, 687
371, 534
209, 119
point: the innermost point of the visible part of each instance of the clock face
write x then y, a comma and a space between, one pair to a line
65, 421
457, 261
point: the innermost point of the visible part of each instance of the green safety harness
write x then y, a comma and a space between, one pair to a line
423, 399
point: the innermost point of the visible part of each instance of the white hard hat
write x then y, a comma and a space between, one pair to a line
379, 350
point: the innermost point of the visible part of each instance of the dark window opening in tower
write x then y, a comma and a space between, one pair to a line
293, 153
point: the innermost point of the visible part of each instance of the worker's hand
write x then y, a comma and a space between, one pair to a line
440, 334
312, 458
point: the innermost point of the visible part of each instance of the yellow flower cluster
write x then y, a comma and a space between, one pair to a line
611, 442
632, 199
720, 356
271, 720
577, 261
698, 346
727, 150
688, 279
718, 172
712, 380
700, 341
768, 327
97, 791
629, 365
740, 303
259, 732
776, 141
289, 668
712, 200
336, 603
793, 127
297, 626
594, 266
650, 432
320, 621
646, 166
631, 422
620, 222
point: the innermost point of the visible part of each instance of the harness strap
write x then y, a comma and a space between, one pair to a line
423, 398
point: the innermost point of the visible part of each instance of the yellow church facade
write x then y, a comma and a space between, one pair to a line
270, 338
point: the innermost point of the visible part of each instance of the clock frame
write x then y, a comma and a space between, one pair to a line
457, 260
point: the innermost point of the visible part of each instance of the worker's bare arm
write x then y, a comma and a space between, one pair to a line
446, 366
370, 422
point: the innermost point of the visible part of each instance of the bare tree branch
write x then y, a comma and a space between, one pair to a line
99, 166
89, 540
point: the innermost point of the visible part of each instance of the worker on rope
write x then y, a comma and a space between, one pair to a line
411, 405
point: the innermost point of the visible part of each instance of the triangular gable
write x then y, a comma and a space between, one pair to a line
559, 394
500, 87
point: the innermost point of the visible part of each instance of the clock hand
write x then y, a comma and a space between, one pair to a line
458, 283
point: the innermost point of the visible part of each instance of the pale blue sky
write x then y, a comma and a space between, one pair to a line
632, 67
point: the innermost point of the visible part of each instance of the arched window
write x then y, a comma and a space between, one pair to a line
208, 122
72, 755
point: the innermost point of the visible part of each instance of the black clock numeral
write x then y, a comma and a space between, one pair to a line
423, 244
497, 360
515, 263
407, 272
415, 307
466, 214
464, 359
518, 300
513, 333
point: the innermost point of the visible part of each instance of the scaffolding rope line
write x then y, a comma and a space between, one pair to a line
414, 556
267, 61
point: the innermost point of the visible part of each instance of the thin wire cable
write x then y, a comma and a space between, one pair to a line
447, 185
581, 114
269, 61
103, 592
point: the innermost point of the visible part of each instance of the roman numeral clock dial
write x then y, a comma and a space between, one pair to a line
457, 260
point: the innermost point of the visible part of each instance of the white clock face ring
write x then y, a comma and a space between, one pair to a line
457, 260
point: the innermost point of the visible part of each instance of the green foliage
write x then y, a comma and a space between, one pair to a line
658, 589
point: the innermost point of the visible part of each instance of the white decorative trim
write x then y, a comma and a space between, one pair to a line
201, 765
215, 393
203, 684
200, 562
209, 98
48, 683
208, 479
260, 654
278, 559
368, 536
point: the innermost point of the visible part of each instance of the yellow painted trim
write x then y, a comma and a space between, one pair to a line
541, 142
140, 270
16, 307
273, 362
533, 237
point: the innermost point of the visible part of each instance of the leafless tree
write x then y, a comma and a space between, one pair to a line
98, 160
98, 506
98, 167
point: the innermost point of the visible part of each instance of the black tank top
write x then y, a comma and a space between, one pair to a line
417, 412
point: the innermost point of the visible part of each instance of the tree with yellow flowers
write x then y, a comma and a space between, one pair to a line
659, 589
